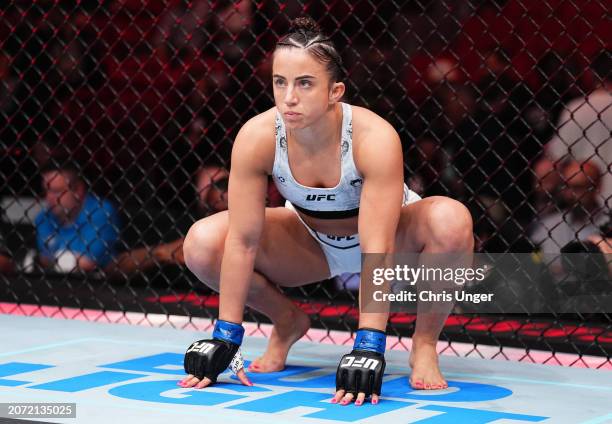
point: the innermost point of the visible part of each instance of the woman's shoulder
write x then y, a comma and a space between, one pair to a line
261, 125
373, 137
256, 139
367, 122
370, 130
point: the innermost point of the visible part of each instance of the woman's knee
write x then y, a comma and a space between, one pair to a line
203, 249
449, 225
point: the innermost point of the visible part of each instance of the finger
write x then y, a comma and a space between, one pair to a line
375, 399
244, 379
192, 382
347, 398
360, 398
338, 396
185, 380
205, 382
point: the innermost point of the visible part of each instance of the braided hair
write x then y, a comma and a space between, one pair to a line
306, 34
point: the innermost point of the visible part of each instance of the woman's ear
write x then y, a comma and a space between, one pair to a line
336, 92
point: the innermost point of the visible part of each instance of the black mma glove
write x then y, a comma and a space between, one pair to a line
210, 357
362, 370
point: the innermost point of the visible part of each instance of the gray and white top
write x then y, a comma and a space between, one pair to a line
341, 201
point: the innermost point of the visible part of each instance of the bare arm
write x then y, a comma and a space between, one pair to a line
381, 163
247, 196
145, 258
6, 264
86, 264
83, 263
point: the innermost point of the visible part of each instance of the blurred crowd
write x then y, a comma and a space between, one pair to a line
504, 105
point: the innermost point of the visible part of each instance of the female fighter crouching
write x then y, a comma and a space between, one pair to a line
341, 169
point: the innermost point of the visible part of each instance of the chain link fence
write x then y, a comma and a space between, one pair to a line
126, 110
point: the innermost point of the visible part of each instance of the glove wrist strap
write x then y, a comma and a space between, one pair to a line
228, 331
371, 340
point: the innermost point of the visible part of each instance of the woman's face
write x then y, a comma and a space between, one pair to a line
301, 87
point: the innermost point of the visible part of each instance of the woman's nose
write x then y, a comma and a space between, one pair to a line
290, 96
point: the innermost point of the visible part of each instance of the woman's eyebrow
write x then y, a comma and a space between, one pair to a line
297, 78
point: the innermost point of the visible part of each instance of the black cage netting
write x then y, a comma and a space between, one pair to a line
501, 104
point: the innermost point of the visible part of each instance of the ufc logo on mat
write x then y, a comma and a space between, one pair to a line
203, 347
362, 362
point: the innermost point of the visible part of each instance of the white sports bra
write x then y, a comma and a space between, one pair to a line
341, 201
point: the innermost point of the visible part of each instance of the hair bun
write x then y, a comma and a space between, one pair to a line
306, 24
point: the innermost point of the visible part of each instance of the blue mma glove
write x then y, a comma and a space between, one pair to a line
362, 370
210, 357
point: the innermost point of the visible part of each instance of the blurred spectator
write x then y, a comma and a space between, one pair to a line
76, 230
582, 214
497, 64
495, 232
20, 167
546, 184
603, 240
593, 263
604, 245
501, 86
558, 77
32, 45
77, 53
8, 84
182, 29
428, 163
234, 21
212, 60
181, 153
449, 100
583, 130
238, 90
492, 150
211, 185
6, 262
372, 78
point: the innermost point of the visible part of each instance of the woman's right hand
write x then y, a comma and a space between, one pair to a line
206, 359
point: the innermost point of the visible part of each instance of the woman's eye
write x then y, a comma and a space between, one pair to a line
279, 82
305, 83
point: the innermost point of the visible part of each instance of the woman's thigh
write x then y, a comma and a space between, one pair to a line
287, 255
437, 222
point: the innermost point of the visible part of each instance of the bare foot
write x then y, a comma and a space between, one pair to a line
426, 373
284, 335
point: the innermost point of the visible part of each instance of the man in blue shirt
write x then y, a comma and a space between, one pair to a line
76, 230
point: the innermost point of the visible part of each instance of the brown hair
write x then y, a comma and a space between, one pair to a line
305, 33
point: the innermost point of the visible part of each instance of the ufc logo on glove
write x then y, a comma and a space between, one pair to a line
201, 347
361, 362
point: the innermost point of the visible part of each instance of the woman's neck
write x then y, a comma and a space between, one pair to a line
322, 133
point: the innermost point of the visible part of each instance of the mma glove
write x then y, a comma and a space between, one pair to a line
210, 357
362, 370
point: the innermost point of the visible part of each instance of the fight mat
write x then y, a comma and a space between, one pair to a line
128, 374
